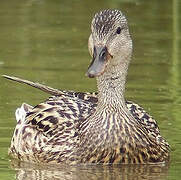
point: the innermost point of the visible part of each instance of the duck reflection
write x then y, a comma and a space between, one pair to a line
25, 171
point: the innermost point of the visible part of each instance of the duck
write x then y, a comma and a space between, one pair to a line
91, 128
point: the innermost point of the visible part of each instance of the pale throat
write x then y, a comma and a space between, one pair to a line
111, 85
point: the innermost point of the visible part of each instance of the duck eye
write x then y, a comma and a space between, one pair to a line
118, 31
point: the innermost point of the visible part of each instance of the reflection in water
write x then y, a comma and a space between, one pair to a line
26, 171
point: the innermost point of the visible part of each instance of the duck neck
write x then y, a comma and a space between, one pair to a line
111, 86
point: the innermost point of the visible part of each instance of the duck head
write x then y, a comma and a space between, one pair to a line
110, 43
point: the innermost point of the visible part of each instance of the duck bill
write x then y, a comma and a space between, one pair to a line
99, 61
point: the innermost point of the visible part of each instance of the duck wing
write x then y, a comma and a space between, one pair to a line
78, 104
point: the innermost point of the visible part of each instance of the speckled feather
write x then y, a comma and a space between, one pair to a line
102, 31
52, 126
74, 127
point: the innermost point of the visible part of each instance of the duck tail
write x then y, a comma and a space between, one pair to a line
47, 89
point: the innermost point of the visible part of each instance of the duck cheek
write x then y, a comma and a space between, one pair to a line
109, 57
113, 50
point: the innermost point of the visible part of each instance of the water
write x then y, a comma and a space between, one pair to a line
46, 41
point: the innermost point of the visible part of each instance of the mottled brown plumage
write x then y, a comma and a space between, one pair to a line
74, 127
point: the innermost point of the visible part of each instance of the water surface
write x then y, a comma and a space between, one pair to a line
46, 41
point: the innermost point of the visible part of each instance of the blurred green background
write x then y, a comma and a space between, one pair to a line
46, 41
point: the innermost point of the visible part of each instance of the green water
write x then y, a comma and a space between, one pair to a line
46, 41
